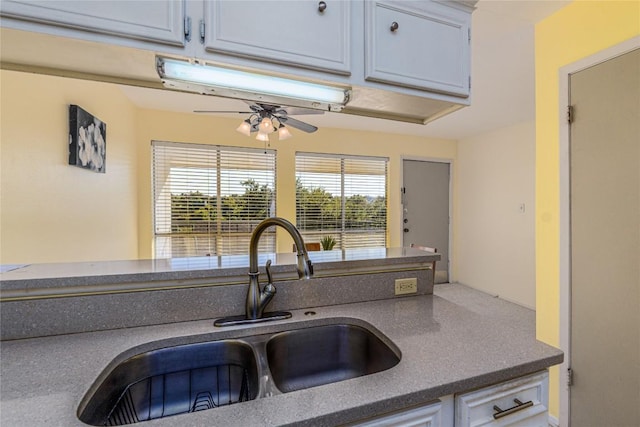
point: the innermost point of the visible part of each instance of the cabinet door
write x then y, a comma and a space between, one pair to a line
159, 21
305, 33
423, 45
522, 403
434, 414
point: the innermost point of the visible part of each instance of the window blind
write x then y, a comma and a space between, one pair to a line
208, 198
344, 197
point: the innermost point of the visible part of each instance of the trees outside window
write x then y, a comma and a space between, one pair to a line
344, 197
208, 199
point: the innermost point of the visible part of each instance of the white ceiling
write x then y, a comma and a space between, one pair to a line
502, 79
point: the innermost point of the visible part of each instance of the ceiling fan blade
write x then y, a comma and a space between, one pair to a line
305, 127
222, 112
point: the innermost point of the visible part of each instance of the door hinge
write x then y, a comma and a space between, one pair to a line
570, 114
469, 34
202, 31
469, 82
187, 28
569, 377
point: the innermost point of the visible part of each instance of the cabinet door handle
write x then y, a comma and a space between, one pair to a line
519, 407
322, 6
394, 27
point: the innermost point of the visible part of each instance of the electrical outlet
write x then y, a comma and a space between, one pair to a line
406, 286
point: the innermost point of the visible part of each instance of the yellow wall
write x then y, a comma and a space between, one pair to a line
575, 32
52, 211
202, 129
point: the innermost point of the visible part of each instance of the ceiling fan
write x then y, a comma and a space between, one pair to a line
267, 118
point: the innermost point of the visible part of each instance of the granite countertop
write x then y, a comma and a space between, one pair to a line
455, 340
20, 280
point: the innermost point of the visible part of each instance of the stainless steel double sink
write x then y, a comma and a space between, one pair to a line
192, 377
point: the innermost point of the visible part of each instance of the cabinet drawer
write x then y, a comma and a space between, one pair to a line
428, 415
299, 33
159, 21
423, 45
477, 408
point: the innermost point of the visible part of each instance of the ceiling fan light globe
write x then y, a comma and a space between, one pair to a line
283, 133
245, 128
266, 125
262, 136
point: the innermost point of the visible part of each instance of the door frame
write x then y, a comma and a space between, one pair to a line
565, 209
401, 206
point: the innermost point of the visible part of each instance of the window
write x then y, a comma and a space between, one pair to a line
344, 197
208, 198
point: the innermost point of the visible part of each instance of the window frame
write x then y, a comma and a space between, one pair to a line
346, 236
215, 160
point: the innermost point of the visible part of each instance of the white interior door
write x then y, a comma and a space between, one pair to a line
605, 244
426, 209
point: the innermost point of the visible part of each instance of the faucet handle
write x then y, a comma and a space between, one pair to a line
310, 267
267, 267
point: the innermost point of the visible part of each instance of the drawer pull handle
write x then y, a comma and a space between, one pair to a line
519, 407
322, 6
394, 27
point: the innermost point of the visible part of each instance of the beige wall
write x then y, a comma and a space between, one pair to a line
51, 211
495, 247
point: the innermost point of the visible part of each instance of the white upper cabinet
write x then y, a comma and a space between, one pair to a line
159, 21
305, 33
404, 60
418, 44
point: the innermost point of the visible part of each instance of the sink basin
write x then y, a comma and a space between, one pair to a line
174, 380
310, 357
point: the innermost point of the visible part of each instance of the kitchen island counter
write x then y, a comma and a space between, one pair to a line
455, 340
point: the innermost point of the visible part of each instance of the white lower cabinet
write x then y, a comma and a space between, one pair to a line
521, 402
433, 414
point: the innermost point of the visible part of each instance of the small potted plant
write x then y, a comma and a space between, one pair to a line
328, 242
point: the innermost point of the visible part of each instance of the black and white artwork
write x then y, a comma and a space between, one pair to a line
87, 140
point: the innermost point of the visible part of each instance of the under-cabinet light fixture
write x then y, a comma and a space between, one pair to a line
196, 76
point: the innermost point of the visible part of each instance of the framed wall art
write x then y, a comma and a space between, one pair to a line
87, 140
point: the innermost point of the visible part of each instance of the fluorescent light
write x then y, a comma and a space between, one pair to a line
234, 80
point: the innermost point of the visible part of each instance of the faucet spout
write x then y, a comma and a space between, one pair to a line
258, 299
